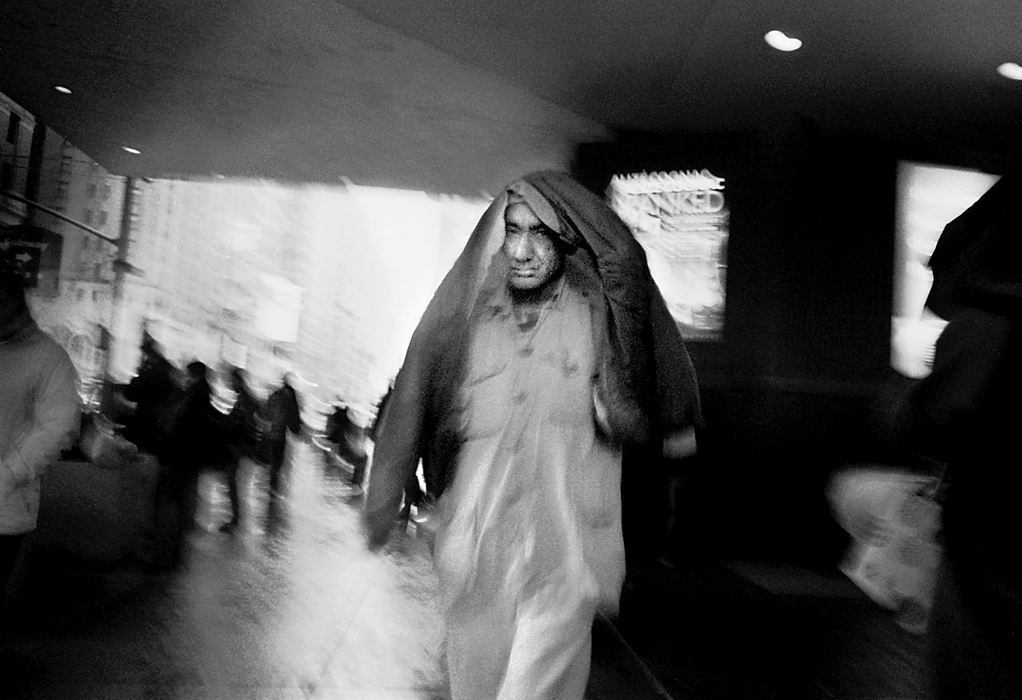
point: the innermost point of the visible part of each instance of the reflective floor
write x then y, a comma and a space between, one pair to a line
289, 605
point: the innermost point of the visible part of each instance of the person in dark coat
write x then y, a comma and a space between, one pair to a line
244, 432
155, 393
348, 440
192, 440
283, 414
967, 414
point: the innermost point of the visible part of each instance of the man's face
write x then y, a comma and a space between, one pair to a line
529, 245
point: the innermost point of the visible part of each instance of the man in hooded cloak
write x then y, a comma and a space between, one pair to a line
545, 351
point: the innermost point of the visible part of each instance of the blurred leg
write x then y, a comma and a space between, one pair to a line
276, 454
233, 470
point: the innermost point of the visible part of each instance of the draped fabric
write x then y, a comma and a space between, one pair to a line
646, 378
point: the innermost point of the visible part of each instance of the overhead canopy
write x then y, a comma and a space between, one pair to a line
463, 95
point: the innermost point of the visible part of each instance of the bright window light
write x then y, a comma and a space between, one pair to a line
129, 149
63, 90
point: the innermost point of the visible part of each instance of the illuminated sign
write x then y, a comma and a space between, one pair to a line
35, 252
681, 220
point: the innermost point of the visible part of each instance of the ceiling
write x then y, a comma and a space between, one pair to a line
463, 95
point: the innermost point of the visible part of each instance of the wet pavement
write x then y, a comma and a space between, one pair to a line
290, 605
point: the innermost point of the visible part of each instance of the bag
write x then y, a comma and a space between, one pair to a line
894, 518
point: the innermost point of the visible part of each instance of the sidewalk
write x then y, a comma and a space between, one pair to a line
290, 606
743, 631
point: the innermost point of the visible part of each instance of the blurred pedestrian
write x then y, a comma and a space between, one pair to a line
39, 415
348, 440
245, 433
194, 441
283, 414
155, 394
967, 413
546, 349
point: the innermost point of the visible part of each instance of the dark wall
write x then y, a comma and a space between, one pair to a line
790, 392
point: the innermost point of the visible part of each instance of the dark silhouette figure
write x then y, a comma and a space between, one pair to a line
195, 440
348, 440
283, 416
244, 433
156, 395
967, 414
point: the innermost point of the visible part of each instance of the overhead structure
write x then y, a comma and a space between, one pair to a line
464, 95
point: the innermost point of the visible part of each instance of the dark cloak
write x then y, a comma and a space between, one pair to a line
647, 381
977, 261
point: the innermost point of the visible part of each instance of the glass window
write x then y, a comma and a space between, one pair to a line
13, 128
681, 220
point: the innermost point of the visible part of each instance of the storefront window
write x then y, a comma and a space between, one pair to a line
681, 220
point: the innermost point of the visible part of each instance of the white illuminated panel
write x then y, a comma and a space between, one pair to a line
681, 220
929, 197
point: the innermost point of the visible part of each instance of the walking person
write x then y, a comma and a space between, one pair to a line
244, 433
283, 414
966, 414
545, 351
349, 447
39, 415
155, 394
193, 443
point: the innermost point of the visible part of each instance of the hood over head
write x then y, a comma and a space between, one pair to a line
646, 378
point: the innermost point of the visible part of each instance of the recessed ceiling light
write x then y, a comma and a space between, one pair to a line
781, 41
62, 89
132, 151
1010, 70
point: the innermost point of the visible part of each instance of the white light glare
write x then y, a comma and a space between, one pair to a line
132, 151
1012, 71
781, 41
61, 89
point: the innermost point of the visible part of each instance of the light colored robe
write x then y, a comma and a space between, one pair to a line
529, 542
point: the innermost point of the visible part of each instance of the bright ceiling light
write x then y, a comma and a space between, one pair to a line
132, 151
1010, 70
61, 89
781, 41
